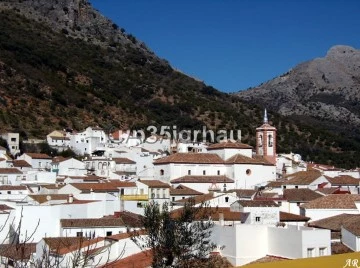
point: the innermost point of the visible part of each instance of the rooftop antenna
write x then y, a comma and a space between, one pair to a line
265, 117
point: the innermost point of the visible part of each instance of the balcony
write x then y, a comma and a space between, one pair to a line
135, 197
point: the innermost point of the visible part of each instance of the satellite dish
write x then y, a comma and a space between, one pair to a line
48, 197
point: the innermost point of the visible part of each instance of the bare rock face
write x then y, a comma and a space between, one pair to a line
76, 18
326, 89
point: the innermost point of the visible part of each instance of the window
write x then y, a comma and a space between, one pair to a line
204, 172
12, 147
173, 198
296, 187
260, 140
13, 139
8, 192
79, 234
226, 199
298, 204
279, 203
248, 172
161, 172
310, 252
39, 164
257, 219
183, 197
270, 140
284, 186
189, 172
322, 251
108, 233
218, 172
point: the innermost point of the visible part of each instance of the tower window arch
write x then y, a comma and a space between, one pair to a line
270, 139
260, 140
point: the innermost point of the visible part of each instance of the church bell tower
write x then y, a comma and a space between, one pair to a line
266, 141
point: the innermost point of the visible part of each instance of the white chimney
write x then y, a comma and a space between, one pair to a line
71, 198
221, 219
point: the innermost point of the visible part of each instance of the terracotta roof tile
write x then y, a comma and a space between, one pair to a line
276, 184
214, 213
64, 245
343, 180
333, 201
102, 187
326, 191
183, 190
334, 223
123, 160
138, 260
21, 163
196, 158
339, 248
202, 179
302, 178
43, 198
126, 235
38, 156
289, 217
155, 184
92, 222
300, 195
12, 188
267, 259
229, 145
353, 226
5, 207
10, 171
197, 199
257, 203
243, 193
242, 159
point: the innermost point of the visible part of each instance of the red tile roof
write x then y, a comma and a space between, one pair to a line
300, 195
139, 260
64, 245
38, 156
92, 222
257, 203
333, 201
43, 198
12, 187
302, 177
289, 217
190, 158
326, 191
21, 163
103, 187
123, 160
19, 252
10, 171
155, 184
228, 145
202, 179
214, 213
343, 180
334, 223
197, 199
183, 190
242, 159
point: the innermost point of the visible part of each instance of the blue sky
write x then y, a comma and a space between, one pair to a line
236, 44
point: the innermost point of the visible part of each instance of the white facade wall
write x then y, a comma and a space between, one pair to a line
70, 167
10, 178
13, 141
290, 207
293, 242
205, 187
312, 186
49, 226
350, 240
259, 175
41, 177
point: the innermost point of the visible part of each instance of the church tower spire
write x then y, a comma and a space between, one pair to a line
265, 117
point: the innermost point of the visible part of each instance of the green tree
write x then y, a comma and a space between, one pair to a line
180, 238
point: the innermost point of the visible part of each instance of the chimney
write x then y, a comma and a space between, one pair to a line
221, 219
71, 198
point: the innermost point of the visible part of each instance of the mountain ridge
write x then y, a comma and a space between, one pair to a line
52, 79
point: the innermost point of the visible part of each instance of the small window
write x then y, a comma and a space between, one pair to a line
226, 199
183, 197
204, 172
296, 187
279, 203
310, 252
284, 186
108, 233
298, 204
161, 172
13, 139
79, 234
9, 192
218, 172
173, 198
248, 172
189, 172
322, 251
257, 219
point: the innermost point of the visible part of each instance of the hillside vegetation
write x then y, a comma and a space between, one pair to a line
51, 79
